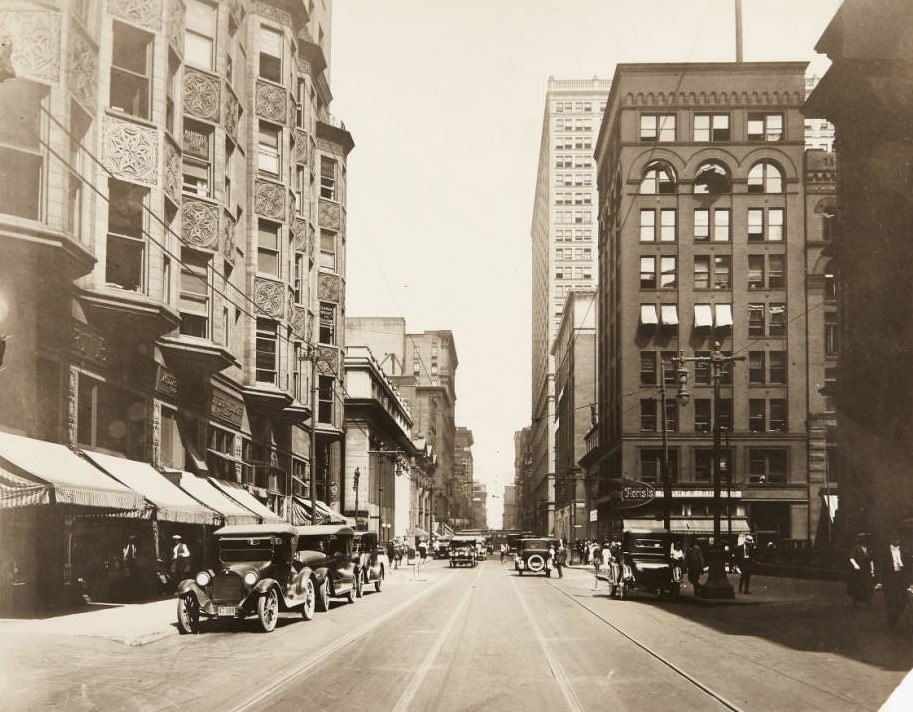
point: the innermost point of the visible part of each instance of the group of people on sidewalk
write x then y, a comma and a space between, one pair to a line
887, 569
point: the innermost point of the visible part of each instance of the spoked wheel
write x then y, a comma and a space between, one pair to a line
360, 588
268, 610
188, 615
323, 598
379, 582
352, 595
307, 608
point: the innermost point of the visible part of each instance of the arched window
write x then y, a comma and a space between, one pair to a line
712, 178
830, 281
765, 177
659, 179
828, 222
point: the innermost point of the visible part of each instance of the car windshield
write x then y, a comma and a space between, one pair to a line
235, 550
327, 544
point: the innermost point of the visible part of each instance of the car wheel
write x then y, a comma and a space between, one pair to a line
352, 595
307, 608
188, 615
535, 563
323, 598
379, 582
268, 610
624, 591
360, 584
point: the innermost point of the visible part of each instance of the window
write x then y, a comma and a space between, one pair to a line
777, 325
131, 70
172, 89
667, 226
756, 369
725, 414
756, 271
657, 127
767, 466
701, 225
703, 464
166, 279
193, 304
757, 415
765, 177
270, 54
300, 286
301, 185
648, 273
267, 351
671, 415
721, 225
712, 178
648, 415
327, 323
756, 319
79, 124
777, 423
110, 418
711, 127
269, 153
776, 265
828, 223
658, 179
701, 272
325, 399
647, 368
171, 449
765, 224
830, 283
831, 334
702, 415
765, 127
722, 270
668, 367
647, 225
220, 458
702, 368
200, 34
328, 176
328, 249
301, 97
667, 277
229, 172
124, 265
20, 149
777, 367
268, 248
651, 465
197, 160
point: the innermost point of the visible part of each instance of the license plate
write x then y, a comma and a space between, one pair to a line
227, 611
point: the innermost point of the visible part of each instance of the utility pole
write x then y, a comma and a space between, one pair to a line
667, 481
356, 477
315, 335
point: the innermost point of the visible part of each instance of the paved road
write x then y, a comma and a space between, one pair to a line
465, 639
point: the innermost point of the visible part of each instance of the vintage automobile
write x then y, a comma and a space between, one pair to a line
643, 562
441, 548
372, 561
263, 569
533, 557
463, 551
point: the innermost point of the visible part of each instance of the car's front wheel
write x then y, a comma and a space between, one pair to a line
360, 581
323, 598
352, 595
379, 582
268, 610
307, 608
188, 614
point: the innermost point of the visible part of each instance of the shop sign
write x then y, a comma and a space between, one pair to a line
627, 494
594, 515
226, 407
166, 382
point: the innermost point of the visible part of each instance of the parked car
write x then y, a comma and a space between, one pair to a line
644, 562
532, 556
463, 551
372, 561
264, 569
441, 548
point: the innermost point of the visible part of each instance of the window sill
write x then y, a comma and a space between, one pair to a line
124, 116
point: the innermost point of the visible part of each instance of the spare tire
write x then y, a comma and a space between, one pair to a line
535, 563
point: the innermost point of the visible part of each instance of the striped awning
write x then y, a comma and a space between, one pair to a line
170, 503
69, 478
332, 516
301, 510
17, 491
238, 493
200, 489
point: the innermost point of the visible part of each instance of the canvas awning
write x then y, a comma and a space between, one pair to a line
703, 317
200, 489
69, 479
333, 516
17, 491
301, 509
723, 315
669, 313
238, 493
171, 503
830, 501
648, 315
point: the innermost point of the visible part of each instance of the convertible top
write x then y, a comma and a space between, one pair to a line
324, 530
255, 530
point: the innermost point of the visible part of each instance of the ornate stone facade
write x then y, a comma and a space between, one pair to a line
228, 237
156, 445
272, 102
130, 151
269, 200
231, 113
269, 296
201, 94
329, 215
172, 172
300, 235
145, 13
298, 322
72, 405
82, 69
36, 46
89, 346
327, 360
200, 225
176, 14
301, 146
328, 287
273, 13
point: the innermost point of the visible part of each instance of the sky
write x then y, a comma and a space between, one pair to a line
445, 102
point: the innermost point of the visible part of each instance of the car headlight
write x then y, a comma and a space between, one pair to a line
250, 578
203, 579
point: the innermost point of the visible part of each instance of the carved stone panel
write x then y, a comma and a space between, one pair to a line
269, 200
269, 297
72, 405
231, 114
303, 66
328, 287
82, 71
301, 146
172, 172
145, 13
228, 237
300, 235
201, 94
176, 14
272, 102
329, 215
200, 225
327, 358
156, 432
274, 13
298, 322
131, 151
36, 42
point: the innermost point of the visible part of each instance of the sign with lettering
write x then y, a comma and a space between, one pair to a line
226, 407
166, 382
627, 494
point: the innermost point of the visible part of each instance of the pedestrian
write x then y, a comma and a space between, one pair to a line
561, 560
694, 561
678, 560
180, 560
503, 552
894, 580
862, 571
746, 557
422, 553
129, 557
597, 556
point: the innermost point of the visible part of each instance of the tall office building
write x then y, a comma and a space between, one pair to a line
563, 235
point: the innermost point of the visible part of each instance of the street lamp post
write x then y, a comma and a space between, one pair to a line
355, 477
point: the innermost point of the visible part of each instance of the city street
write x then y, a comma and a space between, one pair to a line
472, 639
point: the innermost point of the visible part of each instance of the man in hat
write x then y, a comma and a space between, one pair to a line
862, 572
180, 559
746, 562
